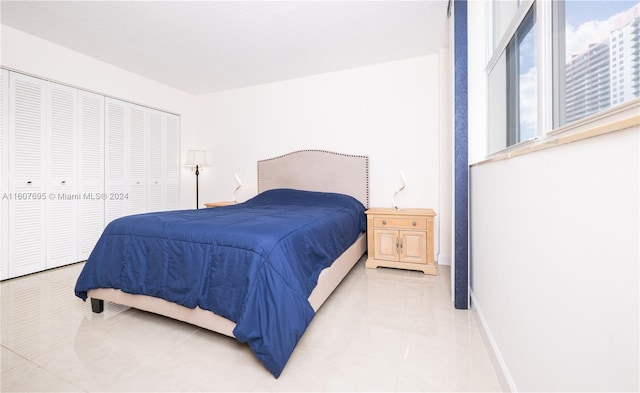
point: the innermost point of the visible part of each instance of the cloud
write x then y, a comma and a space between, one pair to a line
529, 104
579, 38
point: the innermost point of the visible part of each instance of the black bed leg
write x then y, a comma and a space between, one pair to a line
97, 305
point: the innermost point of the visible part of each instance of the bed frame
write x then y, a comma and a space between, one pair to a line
312, 170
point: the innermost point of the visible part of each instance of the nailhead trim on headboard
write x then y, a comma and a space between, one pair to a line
366, 164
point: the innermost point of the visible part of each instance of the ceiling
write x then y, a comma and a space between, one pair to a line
207, 46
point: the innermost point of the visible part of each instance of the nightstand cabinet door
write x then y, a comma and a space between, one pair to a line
386, 245
413, 247
400, 246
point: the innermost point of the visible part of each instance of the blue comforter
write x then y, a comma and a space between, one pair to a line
254, 263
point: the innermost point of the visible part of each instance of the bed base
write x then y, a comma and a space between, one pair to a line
328, 280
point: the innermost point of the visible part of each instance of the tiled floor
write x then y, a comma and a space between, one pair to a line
382, 330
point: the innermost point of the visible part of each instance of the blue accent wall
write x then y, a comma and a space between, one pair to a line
461, 154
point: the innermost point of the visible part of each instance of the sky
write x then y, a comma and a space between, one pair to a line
589, 21
580, 11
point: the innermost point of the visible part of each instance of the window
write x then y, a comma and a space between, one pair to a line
503, 14
583, 32
513, 86
556, 62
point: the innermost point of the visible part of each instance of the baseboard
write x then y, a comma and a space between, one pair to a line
444, 259
502, 371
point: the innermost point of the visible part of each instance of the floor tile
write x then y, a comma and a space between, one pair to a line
32, 378
381, 330
10, 359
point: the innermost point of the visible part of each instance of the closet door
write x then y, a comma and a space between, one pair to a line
171, 159
157, 126
126, 159
26, 183
137, 163
117, 153
162, 189
62, 175
4, 173
91, 137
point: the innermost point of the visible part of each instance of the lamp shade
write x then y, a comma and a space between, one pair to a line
196, 157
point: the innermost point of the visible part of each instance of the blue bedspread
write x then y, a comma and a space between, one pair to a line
254, 263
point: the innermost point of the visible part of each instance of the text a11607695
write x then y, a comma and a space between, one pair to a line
64, 196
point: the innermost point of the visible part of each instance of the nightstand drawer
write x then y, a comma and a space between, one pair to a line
394, 222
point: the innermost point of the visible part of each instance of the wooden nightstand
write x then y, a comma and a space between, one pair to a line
401, 239
218, 204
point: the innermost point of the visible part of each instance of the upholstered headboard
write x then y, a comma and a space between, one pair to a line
317, 170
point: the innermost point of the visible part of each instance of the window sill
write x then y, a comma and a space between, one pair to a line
610, 120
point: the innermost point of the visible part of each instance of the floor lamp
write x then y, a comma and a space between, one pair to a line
196, 159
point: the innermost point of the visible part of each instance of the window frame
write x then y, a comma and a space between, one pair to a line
549, 16
500, 48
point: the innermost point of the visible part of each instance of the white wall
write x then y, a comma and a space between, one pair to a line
445, 208
554, 253
390, 112
32, 55
554, 248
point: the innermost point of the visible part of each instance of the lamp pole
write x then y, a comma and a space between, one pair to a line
197, 191
195, 160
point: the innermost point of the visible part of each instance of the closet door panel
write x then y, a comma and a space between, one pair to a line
63, 197
4, 172
171, 159
117, 153
27, 156
91, 137
156, 168
137, 159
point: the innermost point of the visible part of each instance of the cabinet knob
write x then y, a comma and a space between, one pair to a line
63, 182
413, 223
384, 222
29, 182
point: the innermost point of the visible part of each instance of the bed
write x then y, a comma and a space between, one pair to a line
198, 266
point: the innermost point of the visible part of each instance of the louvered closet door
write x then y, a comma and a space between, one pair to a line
137, 159
117, 153
91, 132
156, 168
4, 173
171, 159
162, 189
26, 158
62, 175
